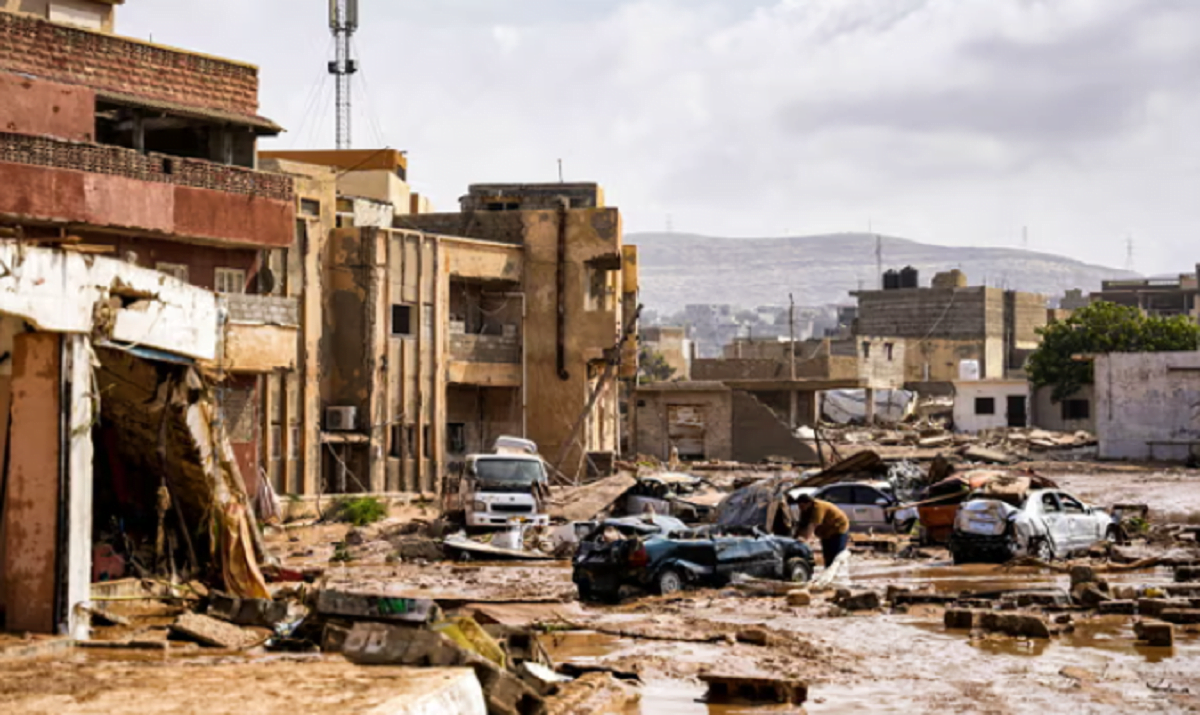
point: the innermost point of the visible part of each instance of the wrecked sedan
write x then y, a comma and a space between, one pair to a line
1043, 523
621, 552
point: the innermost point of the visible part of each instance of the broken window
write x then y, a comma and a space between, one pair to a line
229, 280
175, 270
866, 349
456, 438
396, 446
310, 207
1076, 410
402, 320
1070, 504
1050, 504
985, 405
889, 348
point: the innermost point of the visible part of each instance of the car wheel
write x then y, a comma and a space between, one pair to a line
1043, 549
799, 571
670, 581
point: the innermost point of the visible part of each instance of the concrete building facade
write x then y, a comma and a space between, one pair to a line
1164, 297
1148, 405
990, 404
944, 326
135, 230
675, 347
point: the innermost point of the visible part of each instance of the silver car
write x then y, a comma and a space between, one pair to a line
1046, 523
871, 506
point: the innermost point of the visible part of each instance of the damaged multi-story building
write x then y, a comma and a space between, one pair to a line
138, 312
439, 332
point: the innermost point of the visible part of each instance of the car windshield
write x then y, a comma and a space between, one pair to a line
509, 473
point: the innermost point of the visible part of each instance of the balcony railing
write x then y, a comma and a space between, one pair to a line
485, 348
262, 309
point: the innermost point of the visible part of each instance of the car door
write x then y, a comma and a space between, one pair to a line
870, 509
842, 496
1051, 514
1079, 522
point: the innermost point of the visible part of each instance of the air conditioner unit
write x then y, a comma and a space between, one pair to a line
340, 419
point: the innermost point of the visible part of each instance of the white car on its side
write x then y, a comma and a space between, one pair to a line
1046, 524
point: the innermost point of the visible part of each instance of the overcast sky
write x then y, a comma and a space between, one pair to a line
947, 121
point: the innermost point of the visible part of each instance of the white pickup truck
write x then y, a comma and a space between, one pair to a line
498, 490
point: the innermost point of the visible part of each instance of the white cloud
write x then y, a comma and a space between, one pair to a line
945, 120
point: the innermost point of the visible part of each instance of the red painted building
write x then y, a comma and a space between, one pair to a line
117, 147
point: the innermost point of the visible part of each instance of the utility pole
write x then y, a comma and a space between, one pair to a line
1129, 253
560, 172
794, 397
343, 22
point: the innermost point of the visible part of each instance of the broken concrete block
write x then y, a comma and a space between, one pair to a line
1181, 616
960, 618
247, 611
212, 632
593, 693
382, 644
1185, 574
770, 690
1155, 606
1155, 634
913, 598
345, 604
857, 601
1045, 599
799, 599
104, 617
1020, 625
417, 548
982, 454
1117, 607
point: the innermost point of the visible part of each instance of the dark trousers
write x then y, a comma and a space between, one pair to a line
834, 545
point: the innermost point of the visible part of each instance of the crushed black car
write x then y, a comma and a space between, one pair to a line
661, 555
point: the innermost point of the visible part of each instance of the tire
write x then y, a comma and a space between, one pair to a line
669, 581
1043, 549
798, 571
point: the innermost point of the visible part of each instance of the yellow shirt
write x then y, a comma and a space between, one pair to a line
829, 520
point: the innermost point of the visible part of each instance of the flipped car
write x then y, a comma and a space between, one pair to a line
871, 506
1044, 523
652, 557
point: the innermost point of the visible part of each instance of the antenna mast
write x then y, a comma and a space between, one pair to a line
343, 21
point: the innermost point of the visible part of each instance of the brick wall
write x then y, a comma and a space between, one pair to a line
269, 310
76, 56
101, 159
931, 313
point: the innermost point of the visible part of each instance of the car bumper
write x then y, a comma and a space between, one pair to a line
975, 547
489, 519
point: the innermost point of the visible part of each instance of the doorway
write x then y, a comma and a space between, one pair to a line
1017, 414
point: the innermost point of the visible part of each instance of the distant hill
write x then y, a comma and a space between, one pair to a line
678, 269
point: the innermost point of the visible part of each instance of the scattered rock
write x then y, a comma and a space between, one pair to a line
960, 618
1020, 625
1118, 607
1181, 616
415, 547
1184, 574
799, 599
857, 601
1155, 634
755, 636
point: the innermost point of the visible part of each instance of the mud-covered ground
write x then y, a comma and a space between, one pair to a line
900, 660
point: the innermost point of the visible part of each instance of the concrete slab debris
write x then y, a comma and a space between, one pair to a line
247, 611
1155, 634
769, 690
375, 607
212, 632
